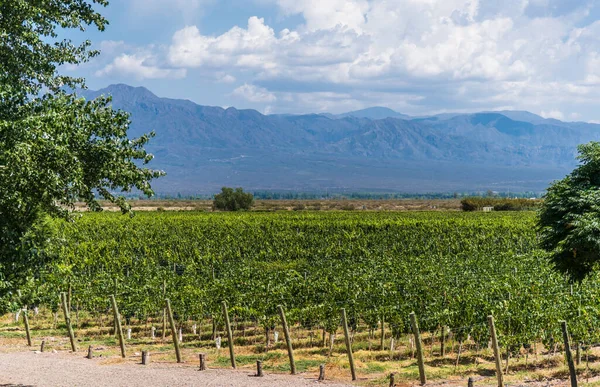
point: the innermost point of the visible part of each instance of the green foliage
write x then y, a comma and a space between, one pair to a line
313, 264
55, 149
569, 219
499, 204
233, 200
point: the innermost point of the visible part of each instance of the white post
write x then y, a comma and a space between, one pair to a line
153, 333
129, 334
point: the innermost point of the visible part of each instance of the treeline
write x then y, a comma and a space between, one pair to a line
289, 195
499, 204
320, 195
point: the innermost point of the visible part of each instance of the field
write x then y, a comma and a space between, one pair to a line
296, 205
452, 269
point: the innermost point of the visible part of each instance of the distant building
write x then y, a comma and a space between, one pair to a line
488, 209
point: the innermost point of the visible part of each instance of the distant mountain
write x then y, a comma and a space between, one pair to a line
203, 148
374, 113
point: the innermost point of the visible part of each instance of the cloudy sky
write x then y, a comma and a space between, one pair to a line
414, 56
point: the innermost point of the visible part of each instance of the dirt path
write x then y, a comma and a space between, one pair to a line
64, 369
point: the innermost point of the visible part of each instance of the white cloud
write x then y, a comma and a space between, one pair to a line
427, 54
139, 66
327, 14
254, 94
226, 78
557, 115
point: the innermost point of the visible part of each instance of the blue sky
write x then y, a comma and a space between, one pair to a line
299, 56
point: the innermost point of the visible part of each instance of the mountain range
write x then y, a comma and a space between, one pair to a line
203, 148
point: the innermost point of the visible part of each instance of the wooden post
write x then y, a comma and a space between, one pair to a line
348, 344
68, 321
115, 281
90, 354
229, 334
568, 354
259, 371
496, 349
145, 357
27, 331
25, 318
288, 340
470, 382
382, 345
443, 342
173, 331
164, 325
118, 324
321, 372
419, 345
42, 346
202, 357
392, 380
69, 296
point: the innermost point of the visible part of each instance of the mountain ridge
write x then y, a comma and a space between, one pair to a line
205, 147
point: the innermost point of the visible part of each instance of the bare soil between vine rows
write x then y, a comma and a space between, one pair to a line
32, 368
67, 369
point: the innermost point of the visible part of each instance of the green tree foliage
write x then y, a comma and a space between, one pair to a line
233, 200
569, 219
55, 149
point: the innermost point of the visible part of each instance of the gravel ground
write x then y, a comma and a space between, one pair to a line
64, 369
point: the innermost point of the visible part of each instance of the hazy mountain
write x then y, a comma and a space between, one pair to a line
374, 113
203, 148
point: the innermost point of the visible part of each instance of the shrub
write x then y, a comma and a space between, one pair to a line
299, 207
499, 204
233, 200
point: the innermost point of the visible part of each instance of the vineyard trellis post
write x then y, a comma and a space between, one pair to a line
497, 357
173, 330
27, 331
118, 325
420, 360
348, 344
63, 297
443, 341
288, 340
164, 320
25, 319
229, 334
568, 354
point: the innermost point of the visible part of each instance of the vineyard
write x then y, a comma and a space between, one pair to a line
451, 269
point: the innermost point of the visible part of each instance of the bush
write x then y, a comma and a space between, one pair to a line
299, 207
499, 204
233, 200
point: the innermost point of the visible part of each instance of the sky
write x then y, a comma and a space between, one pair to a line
417, 57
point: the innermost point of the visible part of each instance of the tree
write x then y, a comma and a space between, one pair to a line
233, 200
55, 149
569, 220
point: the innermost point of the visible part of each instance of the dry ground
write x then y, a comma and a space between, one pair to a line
20, 365
298, 205
68, 369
